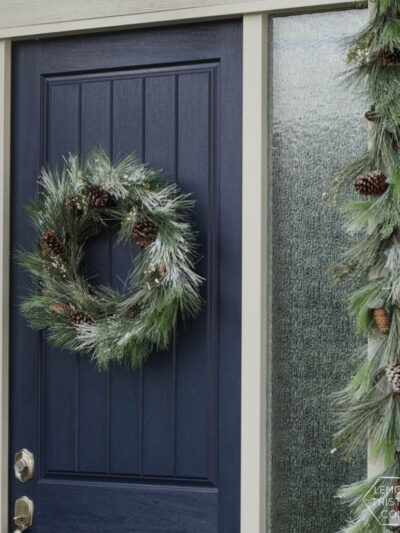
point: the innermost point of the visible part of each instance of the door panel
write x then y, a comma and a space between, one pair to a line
160, 387
142, 451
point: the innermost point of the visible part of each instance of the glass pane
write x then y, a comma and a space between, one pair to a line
317, 126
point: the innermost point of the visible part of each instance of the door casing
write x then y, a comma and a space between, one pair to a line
254, 453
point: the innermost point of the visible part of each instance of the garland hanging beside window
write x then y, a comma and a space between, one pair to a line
369, 407
111, 326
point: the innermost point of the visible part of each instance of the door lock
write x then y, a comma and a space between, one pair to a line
24, 465
23, 511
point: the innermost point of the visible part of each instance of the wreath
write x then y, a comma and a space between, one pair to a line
111, 326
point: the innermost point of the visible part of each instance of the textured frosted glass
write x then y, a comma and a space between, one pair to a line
317, 127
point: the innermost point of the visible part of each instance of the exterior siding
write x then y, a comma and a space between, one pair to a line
22, 18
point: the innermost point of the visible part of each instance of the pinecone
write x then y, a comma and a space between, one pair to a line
135, 311
144, 233
60, 308
382, 320
52, 244
75, 203
389, 58
98, 197
373, 182
77, 317
393, 376
161, 270
370, 115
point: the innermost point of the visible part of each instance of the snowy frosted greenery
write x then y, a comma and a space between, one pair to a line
162, 283
369, 408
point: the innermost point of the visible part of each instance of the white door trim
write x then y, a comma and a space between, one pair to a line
5, 145
254, 208
254, 275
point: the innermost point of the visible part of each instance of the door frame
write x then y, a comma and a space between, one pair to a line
255, 335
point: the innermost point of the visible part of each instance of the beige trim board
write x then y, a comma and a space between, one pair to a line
254, 275
29, 18
5, 111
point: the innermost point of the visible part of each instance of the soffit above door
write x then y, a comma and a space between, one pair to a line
26, 18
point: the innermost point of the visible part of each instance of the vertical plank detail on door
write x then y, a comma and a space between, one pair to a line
194, 170
158, 383
128, 117
94, 393
61, 137
63, 115
160, 123
128, 134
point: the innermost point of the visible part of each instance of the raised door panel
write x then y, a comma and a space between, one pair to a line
157, 422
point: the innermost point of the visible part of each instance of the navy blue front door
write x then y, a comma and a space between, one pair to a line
157, 450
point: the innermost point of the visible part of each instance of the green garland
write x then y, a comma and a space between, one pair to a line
369, 407
77, 203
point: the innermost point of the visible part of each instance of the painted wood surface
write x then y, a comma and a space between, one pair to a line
159, 449
5, 143
255, 287
23, 18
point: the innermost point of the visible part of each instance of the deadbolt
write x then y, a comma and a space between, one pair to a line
24, 465
23, 513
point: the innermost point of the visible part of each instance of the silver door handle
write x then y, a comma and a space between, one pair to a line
23, 511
